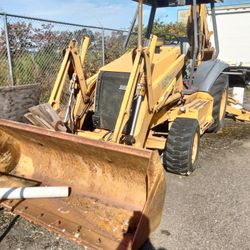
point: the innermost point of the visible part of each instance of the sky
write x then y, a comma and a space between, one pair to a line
106, 13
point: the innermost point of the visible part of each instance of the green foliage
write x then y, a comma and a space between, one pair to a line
113, 46
4, 71
23, 68
162, 29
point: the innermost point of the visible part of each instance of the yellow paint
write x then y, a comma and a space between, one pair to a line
195, 147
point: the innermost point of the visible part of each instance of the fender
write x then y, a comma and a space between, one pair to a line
207, 73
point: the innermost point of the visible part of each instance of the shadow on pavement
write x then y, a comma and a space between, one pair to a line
149, 246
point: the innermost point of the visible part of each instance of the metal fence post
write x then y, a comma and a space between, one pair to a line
8, 50
103, 47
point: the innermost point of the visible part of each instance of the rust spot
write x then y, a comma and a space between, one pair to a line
79, 229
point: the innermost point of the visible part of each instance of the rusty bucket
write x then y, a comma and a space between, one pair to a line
117, 192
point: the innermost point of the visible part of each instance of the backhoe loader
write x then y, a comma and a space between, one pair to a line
138, 115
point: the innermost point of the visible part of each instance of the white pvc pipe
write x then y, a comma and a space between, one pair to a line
33, 192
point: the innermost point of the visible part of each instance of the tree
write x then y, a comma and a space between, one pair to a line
162, 30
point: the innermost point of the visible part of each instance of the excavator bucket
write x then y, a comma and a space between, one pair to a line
117, 192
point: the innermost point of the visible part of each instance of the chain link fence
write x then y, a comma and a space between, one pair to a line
4, 70
31, 49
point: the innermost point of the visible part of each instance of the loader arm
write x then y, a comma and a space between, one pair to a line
141, 81
72, 65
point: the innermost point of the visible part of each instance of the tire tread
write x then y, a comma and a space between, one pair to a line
178, 151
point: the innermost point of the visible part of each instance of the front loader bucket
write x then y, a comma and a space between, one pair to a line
117, 192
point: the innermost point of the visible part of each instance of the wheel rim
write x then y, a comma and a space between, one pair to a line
223, 104
195, 147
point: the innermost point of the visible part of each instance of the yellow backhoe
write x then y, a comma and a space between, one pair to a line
139, 114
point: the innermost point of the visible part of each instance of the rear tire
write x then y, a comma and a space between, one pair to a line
219, 91
182, 148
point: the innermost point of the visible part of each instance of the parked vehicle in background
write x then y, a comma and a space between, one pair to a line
233, 24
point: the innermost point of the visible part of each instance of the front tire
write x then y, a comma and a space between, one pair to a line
182, 148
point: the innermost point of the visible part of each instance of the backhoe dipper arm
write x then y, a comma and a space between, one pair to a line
71, 65
199, 39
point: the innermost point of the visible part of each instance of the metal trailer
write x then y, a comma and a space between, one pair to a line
233, 24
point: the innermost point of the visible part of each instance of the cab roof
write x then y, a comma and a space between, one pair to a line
173, 3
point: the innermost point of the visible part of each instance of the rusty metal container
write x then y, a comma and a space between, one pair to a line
117, 192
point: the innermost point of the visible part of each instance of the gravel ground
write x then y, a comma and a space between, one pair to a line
211, 208
208, 210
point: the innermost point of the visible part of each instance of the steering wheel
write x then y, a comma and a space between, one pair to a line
171, 39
